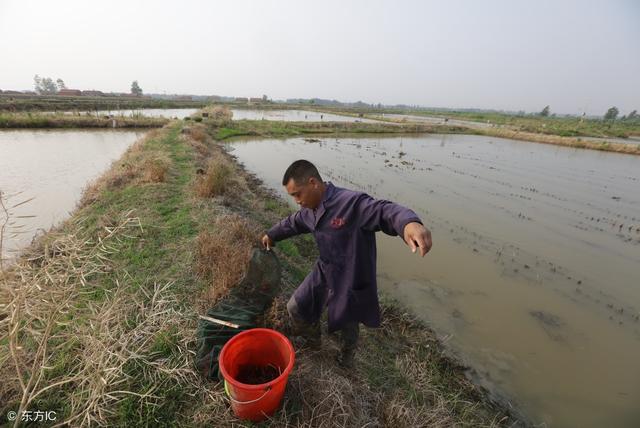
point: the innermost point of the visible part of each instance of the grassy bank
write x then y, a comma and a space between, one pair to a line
552, 125
267, 128
98, 318
574, 142
562, 126
39, 120
18, 103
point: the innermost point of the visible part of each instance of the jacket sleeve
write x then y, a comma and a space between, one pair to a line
379, 214
288, 227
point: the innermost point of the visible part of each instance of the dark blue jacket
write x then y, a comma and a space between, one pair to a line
344, 277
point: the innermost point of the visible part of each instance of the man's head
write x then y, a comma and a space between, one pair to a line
304, 184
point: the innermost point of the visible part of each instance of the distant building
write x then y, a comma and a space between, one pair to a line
255, 100
70, 92
242, 100
93, 93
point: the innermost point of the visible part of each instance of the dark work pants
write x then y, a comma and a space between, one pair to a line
348, 334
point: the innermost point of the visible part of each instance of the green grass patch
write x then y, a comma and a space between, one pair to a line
224, 133
165, 343
289, 248
268, 128
271, 205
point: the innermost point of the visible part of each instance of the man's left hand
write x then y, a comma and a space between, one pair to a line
417, 237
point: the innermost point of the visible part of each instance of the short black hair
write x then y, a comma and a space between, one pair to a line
301, 170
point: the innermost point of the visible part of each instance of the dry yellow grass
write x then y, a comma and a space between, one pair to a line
56, 337
155, 170
222, 255
215, 181
136, 164
198, 134
38, 120
218, 113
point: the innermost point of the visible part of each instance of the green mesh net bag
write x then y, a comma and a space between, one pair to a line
245, 302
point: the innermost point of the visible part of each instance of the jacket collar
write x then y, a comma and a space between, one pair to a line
329, 190
328, 194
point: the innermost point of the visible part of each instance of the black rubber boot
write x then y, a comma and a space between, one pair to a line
348, 345
346, 357
307, 335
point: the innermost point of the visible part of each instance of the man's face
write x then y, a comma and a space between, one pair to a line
306, 194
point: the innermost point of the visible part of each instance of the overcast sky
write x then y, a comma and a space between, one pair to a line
514, 55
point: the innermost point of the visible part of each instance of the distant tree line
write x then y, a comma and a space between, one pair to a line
47, 86
610, 115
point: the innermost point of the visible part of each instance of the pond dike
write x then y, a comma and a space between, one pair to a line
98, 318
43, 121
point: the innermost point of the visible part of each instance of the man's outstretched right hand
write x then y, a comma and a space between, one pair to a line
267, 242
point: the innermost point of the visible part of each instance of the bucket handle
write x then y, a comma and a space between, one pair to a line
245, 402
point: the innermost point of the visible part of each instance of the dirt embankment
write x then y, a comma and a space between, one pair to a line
575, 142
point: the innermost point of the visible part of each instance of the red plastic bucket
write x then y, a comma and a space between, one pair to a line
256, 347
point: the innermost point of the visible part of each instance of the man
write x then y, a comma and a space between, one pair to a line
343, 223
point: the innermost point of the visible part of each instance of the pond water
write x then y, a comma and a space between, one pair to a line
533, 280
295, 116
52, 167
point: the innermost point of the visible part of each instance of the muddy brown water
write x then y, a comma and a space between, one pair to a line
52, 167
256, 375
295, 116
534, 278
